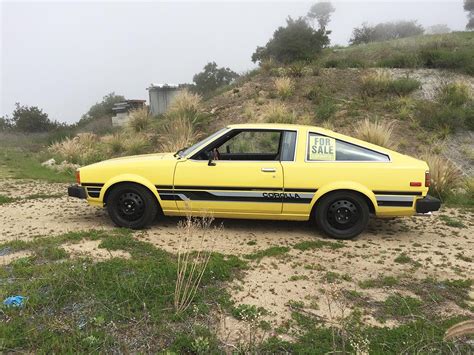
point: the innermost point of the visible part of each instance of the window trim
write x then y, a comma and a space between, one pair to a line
252, 129
342, 161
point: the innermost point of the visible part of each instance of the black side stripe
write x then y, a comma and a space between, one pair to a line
399, 193
228, 188
395, 203
169, 195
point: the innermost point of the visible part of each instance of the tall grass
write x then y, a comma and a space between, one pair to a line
185, 103
284, 87
445, 176
137, 144
377, 132
177, 133
139, 120
276, 112
381, 83
191, 265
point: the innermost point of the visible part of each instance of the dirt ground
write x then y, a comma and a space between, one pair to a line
436, 249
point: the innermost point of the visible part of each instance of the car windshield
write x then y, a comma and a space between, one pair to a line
185, 151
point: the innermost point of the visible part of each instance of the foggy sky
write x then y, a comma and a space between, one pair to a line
65, 56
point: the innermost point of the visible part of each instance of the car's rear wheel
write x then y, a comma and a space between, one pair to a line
131, 206
342, 214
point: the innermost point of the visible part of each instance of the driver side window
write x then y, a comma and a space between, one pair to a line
245, 145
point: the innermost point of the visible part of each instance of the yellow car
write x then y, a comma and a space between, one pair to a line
263, 171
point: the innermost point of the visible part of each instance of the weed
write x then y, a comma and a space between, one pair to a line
403, 86
318, 244
325, 109
402, 306
6, 199
249, 313
403, 259
185, 104
177, 133
452, 222
385, 281
137, 144
269, 252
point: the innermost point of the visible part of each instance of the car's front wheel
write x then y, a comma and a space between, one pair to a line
342, 215
131, 206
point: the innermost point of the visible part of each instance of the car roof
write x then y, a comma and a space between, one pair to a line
286, 126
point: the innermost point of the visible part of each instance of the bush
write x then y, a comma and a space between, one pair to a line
344, 63
444, 117
115, 143
325, 109
139, 120
454, 94
378, 132
298, 41
445, 176
406, 60
385, 31
460, 59
403, 86
276, 112
375, 84
284, 87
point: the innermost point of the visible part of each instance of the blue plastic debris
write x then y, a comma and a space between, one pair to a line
14, 301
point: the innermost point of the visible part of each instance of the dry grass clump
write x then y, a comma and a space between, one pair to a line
285, 87
375, 83
191, 264
115, 142
176, 134
377, 132
87, 139
82, 149
139, 120
276, 112
137, 144
69, 149
445, 176
185, 103
454, 94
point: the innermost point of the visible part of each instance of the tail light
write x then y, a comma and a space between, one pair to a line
427, 179
78, 177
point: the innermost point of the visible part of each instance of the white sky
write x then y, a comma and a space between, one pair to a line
64, 56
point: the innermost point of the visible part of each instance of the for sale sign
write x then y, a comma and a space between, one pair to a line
322, 148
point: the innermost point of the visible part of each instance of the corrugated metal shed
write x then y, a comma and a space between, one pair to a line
161, 96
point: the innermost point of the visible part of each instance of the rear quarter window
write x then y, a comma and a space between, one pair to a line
324, 148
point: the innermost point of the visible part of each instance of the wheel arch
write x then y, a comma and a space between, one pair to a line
129, 179
361, 190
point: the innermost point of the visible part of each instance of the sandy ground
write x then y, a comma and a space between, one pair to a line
443, 252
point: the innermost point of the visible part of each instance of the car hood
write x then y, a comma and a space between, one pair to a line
135, 159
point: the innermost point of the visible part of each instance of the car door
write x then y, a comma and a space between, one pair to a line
243, 177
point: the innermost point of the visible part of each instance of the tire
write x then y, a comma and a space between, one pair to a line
342, 215
132, 206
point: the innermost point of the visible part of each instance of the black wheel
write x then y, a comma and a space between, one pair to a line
132, 206
342, 215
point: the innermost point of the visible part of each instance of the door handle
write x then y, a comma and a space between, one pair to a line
268, 170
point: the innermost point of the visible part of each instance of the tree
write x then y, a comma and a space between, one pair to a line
102, 109
213, 77
469, 7
4, 123
297, 41
385, 31
321, 12
438, 29
31, 119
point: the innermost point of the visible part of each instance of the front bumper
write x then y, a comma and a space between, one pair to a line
77, 191
427, 204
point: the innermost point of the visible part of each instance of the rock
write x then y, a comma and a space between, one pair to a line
49, 163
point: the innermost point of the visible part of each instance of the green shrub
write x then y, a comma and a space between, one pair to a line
403, 86
344, 63
460, 59
405, 60
454, 94
325, 109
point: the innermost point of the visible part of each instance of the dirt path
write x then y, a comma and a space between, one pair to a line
417, 248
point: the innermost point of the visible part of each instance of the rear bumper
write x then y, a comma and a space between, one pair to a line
77, 191
427, 204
